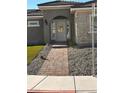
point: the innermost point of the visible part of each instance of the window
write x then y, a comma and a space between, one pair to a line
60, 28
33, 24
53, 29
93, 23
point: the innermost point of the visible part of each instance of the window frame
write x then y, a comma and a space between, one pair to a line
53, 30
37, 24
91, 26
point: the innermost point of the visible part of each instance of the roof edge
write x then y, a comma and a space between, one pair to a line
71, 2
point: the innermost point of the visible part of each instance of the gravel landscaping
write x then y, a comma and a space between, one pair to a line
36, 64
80, 61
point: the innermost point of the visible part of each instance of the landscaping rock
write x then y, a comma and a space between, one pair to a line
36, 64
80, 61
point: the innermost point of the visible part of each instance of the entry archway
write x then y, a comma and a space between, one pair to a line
60, 29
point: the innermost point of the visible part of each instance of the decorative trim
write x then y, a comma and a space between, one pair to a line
34, 17
88, 8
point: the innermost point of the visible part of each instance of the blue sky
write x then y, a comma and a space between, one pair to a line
32, 4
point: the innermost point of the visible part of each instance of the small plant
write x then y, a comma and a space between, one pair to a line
71, 43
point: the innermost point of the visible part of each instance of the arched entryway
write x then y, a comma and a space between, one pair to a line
60, 29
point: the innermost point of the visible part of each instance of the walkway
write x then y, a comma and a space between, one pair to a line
56, 63
61, 84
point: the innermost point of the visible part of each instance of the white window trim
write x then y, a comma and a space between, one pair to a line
91, 25
33, 25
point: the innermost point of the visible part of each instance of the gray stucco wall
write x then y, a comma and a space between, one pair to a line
35, 34
48, 16
83, 37
79, 33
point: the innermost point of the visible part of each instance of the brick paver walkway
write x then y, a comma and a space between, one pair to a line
57, 63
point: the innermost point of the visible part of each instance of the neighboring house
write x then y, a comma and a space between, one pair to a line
61, 22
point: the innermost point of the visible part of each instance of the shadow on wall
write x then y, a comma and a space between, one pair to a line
33, 43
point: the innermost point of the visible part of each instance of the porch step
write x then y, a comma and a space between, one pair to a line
60, 46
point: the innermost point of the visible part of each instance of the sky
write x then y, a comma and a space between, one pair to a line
32, 4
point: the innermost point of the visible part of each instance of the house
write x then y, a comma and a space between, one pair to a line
61, 22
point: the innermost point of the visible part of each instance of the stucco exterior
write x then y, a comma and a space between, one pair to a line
49, 15
77, 15
35, 34
83, 31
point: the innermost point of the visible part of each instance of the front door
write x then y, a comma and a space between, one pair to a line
59, 31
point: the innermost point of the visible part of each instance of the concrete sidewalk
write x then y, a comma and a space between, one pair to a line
61, 84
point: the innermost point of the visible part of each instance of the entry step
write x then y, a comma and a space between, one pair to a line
59, 46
